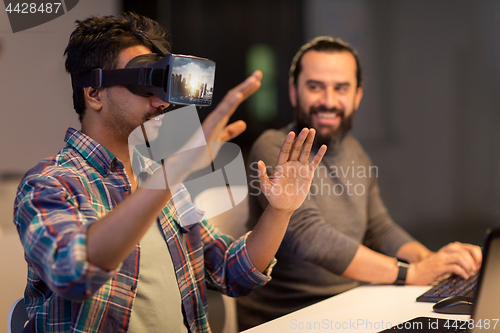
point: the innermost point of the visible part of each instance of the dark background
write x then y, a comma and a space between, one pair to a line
225, 31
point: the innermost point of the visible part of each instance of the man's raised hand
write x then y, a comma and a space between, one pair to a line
289, 184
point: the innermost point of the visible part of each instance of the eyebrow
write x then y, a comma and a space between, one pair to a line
315, 82
341, 84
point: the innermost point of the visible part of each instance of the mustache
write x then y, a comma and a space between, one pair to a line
158, 111
155, 113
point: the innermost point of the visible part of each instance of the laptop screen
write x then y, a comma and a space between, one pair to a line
486, 312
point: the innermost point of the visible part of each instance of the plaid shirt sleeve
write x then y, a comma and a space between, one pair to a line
52, 228
228, 266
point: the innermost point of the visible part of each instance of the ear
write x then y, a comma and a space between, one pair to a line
292, 93
357, 99
93, 98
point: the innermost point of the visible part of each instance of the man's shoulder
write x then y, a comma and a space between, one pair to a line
67, 163
271, 138
268, 146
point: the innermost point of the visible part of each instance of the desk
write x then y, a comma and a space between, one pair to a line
369, 308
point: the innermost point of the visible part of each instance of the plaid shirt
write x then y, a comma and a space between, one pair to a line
64, 194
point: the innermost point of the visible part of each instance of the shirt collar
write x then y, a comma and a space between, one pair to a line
104, 161
92, 151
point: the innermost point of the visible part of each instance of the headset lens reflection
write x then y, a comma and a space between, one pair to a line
192, 81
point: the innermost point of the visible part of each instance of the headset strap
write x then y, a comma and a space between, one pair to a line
98, 78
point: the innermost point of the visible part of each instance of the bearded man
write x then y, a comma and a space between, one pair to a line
342, 234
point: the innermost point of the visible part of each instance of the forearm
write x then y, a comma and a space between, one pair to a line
265, 239
111, 239
413, 252
371, 266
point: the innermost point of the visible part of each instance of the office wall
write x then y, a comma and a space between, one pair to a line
35, 95
35, 92
429, 116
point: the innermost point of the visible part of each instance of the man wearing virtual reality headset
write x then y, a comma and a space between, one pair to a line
107, 255
158, 73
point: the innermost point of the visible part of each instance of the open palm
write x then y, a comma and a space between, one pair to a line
289, 184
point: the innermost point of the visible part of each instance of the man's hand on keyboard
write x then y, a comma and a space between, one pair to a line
458, 258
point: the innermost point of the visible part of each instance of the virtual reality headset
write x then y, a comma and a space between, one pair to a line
175, 79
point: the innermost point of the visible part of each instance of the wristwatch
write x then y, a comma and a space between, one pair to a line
403, 266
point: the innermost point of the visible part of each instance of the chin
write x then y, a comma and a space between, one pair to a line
137, 137
326, 131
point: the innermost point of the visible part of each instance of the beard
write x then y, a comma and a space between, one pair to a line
333, 137
121, 123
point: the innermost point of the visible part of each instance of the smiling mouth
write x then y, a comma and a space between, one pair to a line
157, 118
327, 118
326, 115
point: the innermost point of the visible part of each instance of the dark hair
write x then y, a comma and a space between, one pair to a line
323, 44
97, 41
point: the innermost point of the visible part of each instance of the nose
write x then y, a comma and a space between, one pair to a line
158, 103
330, 98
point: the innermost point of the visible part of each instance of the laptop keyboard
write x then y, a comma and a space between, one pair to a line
452, 286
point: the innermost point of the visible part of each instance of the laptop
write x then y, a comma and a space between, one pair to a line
486, 309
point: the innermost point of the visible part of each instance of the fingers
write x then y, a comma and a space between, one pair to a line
456, 258
317, 158
285, 149
456, 263
297, 144
218, 118
456, 269
466, 255
306, 149
428, 270
299, 149
251, 84
238, 94
265, 183
233, 130
441, 263
476, 254
462, 265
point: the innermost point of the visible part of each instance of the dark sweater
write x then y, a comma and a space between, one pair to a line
343, 210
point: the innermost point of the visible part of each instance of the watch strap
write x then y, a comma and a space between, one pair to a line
403, 266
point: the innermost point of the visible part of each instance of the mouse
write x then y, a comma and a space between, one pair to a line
454, 305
